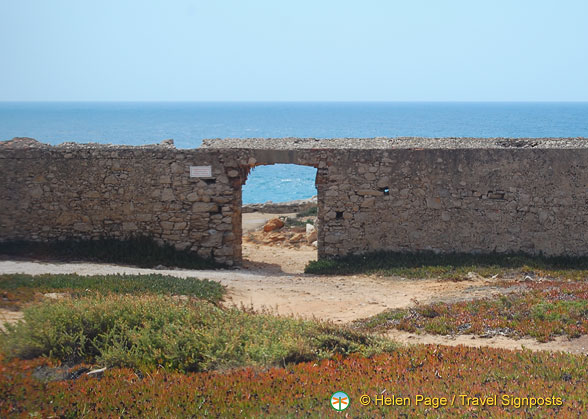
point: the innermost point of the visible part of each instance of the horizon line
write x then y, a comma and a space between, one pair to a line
292, 101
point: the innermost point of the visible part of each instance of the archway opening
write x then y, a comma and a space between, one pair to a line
279, 218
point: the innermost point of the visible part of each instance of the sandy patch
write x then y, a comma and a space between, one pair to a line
337, 298
276, 259
9, 316
561, 343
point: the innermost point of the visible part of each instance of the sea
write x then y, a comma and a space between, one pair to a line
188, 123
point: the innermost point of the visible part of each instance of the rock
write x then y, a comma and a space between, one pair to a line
368, 203
434, 203
214, 239
274, 237
23, 142
315, 244
310, 228
204, 207
273, 224
192, 197
36, 191
383, 182
369, 192
167, 195
311, 237
56, 295
82, 227
129, 226
98, 372
177, 168
270, 207
474, 276
297, 237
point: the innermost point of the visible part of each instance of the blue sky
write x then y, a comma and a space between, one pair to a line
188, 50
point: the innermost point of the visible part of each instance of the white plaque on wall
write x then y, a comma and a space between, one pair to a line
200, 171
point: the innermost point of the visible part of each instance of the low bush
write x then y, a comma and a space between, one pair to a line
141, 251
310, 212
547, 309
454, 265
293, 222
24, 286
149, 331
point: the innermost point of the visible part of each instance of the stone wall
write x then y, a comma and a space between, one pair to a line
531, 201
73, 191
444, 195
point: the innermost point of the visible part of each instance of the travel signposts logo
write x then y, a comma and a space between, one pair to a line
339, 401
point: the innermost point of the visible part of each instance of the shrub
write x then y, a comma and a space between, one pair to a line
310, 212
147, 331
547, 309
119, 284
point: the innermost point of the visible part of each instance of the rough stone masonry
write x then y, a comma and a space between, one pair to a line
401, 194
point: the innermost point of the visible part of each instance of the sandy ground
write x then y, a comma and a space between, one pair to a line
272, 278
8, 316
264, 285
575, 346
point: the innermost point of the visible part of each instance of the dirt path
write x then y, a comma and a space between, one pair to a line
337, 298
276, 259
575, 346
271, 278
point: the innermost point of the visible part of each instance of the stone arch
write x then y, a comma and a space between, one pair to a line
265, 157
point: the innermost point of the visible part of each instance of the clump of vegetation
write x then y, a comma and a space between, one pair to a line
150, 331
141, 251
304, 217
310, 212
548, 309
293, 222
453, 265
304, 389
16, 289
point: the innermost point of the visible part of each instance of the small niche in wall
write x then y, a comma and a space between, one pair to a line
338, 214
209, 181
385, 190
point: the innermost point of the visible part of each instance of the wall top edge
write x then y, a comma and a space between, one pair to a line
309, 144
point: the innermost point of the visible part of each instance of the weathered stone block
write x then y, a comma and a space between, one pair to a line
192, 197
127, 226
204, 207
434, 203
167, 195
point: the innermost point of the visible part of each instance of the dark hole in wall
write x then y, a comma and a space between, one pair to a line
385, 190
338, 214
209, 181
